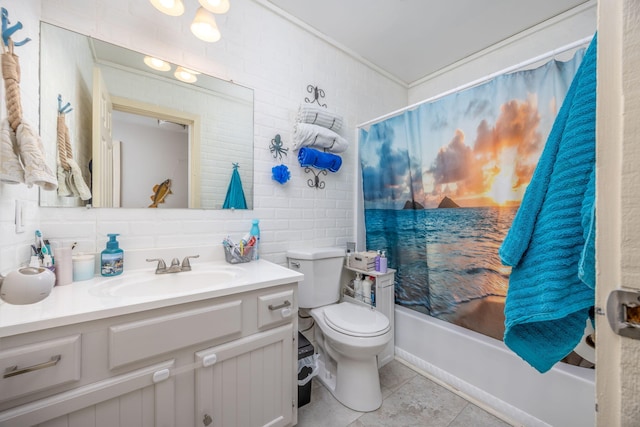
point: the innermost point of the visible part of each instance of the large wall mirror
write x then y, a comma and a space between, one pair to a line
129, 128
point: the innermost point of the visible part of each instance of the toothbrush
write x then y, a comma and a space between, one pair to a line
39, 241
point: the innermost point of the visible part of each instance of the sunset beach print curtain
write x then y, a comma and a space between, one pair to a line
442, 183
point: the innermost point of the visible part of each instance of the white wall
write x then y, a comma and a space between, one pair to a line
555, 33
139, 142
259, 50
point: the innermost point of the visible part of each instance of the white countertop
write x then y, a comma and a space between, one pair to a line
79, 301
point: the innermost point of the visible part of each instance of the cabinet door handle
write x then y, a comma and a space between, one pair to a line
12, 371
207, 419
209, 360
286, 303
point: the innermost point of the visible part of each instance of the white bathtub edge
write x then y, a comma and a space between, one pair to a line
508, 413
494, 375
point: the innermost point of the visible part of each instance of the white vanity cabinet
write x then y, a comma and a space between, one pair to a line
224, 361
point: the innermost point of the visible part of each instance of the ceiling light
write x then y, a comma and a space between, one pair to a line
157, 64
169, 7
184, 75
204, 26
215, 6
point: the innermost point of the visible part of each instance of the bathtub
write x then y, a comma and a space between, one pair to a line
488, 373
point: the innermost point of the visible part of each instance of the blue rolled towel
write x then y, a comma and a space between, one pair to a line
317, 159
550, 245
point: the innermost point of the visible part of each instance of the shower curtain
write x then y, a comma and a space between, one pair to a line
442, 183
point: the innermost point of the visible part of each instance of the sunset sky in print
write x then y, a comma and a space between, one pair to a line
479, 146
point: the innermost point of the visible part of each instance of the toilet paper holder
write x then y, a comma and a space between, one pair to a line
623, 312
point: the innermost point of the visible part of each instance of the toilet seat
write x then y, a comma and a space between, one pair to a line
356, 320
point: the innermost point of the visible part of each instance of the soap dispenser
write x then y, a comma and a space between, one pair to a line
255, 231
112, 258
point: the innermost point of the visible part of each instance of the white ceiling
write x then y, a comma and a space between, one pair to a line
410, 39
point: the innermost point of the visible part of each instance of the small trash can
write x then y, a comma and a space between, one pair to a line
306, 364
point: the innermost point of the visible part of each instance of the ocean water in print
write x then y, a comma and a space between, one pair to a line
443, 257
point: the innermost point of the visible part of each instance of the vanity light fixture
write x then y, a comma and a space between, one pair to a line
169, 7
157, 64
215, 6
185, 75
204, 26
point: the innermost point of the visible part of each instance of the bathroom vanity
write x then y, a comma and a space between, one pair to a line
98, 353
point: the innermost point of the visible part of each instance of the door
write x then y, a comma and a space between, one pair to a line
102, 174
248, 382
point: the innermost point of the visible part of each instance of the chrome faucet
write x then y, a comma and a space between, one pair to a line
175, 266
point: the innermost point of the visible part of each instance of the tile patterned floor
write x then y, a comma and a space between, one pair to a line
409, 399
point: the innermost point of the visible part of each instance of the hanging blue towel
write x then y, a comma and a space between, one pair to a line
317, 159
235, 194
550, 243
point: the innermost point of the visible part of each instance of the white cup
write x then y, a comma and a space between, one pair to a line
84, 267
64, 268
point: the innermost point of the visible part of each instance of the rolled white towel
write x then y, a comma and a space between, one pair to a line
317, 115
307, 135
36, 170
11, 171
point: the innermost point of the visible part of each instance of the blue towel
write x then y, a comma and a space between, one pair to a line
551, 237
317, 159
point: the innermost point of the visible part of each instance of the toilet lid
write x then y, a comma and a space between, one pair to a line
356, 320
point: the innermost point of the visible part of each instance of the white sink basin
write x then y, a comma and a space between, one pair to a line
147, 283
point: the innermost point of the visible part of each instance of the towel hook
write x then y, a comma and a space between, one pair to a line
8, 31
67, 107
315, 181
317, 94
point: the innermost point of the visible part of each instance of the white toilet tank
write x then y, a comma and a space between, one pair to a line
322, 268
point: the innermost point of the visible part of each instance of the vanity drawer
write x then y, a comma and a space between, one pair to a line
275, 308
34, 367
130, 342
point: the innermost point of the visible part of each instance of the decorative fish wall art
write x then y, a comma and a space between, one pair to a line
160, 191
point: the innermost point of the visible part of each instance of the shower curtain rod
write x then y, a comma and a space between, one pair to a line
481, 80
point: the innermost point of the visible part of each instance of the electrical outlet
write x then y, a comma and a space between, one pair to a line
20, 215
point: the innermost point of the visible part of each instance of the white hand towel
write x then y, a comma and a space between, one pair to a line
317, 115
11, 171
36, 170
78, 180
63, 189
307, 135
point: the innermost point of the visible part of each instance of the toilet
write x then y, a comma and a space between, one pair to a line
348, 336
